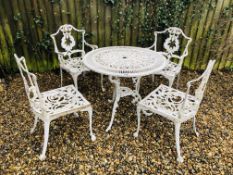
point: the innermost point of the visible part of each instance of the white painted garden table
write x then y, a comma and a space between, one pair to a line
124, 61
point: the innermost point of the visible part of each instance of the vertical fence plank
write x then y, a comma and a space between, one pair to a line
128, 22
198, 39
115, 24
228, 54
121, 30
141, 21
93, 21
187, 32
72, 12
108, 23
135, 23
210, 39
100, 21
86, 16
224, 27
7, 40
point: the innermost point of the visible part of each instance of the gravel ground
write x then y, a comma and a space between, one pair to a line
71, 151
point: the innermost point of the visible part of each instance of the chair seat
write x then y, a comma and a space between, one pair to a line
172, 69
61, 101
167, 102
74, 65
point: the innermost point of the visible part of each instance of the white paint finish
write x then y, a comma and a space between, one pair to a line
68, 62
124, 61
175, 105
52, 104
172, 46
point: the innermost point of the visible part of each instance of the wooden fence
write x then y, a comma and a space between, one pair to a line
25, 26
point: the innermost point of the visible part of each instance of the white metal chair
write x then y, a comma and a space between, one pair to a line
172, 50
52, 104
71, 59
175, 105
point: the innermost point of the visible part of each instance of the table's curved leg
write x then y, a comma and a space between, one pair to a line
136, 95
116, 82
113, 95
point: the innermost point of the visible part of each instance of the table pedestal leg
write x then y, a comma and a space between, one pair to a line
116, 97
135, 94
122, 92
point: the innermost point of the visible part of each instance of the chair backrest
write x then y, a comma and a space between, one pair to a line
203, 79
67, 41
173, 37
30, 82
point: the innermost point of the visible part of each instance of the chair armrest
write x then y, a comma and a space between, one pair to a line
151, 47
92, 46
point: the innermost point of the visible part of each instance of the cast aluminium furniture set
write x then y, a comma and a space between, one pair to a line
117, 62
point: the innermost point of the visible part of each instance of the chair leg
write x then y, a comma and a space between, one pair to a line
194, 126
76, 115
171, 80
90, 113
139, 122
34, 125
101, 82
61, 74
153, 78
46, 137
177, 136
75, 79
178, 81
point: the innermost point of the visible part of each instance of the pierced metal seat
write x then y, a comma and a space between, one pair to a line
171, 69
58, 101
175, 105
52, 104
172, 50
74, 65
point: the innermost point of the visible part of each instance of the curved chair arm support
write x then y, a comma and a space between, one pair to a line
92, 46
151, 47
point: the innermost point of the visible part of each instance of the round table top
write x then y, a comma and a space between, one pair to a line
125, 61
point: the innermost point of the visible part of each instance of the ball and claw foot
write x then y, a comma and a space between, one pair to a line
42, 157
135, 134
180, 159
93, 137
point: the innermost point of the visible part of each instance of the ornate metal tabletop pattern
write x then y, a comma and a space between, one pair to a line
124, 61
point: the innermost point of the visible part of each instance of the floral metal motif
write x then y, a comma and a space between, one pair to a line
68, 62
125, 61
172, 43
175, 105
172, 46
52, 104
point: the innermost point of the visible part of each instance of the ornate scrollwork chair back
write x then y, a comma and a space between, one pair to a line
175, 105
70, 52
30, 83
65, 42
50, 105
172, 39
